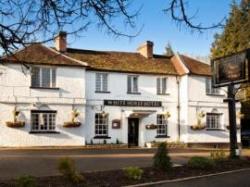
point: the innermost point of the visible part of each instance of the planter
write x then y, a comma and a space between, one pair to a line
149, 145
198, 127
17, 124
151, 126
71, 124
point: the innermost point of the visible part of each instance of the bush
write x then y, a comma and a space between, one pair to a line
161, 159
117, 141
26, 181
134, 173
67, 168
200, 163
218, 155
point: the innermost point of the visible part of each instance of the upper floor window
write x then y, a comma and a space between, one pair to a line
44, 77
161, 85
209, 88
43, 121
161, 125
101, 82
213, 120
133, 84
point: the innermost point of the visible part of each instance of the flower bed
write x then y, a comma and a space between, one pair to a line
117, 178
71, 124
17, 124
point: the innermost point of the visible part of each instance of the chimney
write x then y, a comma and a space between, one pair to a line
61, 41
146, 49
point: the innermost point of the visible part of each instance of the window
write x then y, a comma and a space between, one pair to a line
101, 82
209, 88
213, 121
161, 85
43, 77
43, 121
101, 124
132, 84
161, 125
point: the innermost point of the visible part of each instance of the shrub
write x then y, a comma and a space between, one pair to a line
218, 155
200, 163
26, 181
67, 168
104, 141
134, 173
117, 141
161, 159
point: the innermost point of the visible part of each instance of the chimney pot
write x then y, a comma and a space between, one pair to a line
146, 49
61, 41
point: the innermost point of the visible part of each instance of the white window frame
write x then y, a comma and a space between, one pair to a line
52, 84
39, 125
133, 84
101, 125
162, 125
213, 121
161, 89
100, 85
209, 88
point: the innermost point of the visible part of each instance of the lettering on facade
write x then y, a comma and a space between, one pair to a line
132, 103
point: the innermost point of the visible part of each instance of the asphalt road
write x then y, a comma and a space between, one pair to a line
239, 179
14, 163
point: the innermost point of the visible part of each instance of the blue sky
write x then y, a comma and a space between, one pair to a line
160, 29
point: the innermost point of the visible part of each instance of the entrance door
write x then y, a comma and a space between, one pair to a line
133, 131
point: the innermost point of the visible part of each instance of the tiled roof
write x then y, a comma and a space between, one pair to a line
123, 61
196, 67
39, 54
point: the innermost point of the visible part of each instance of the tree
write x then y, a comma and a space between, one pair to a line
235, 36
27, 21
168, 50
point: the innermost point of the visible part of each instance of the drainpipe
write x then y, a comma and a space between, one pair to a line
178, 108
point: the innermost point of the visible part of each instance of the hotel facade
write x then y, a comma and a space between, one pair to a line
62, 96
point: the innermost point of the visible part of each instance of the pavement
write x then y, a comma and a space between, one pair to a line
232, 179
43, 162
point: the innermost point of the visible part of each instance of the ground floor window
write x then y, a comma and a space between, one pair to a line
161, 125
43, 120
101, 124
213, 120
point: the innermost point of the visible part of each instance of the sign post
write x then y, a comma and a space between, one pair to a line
228, 71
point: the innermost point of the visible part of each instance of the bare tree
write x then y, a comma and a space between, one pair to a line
26, 21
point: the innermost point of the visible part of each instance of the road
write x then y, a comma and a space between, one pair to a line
14, 163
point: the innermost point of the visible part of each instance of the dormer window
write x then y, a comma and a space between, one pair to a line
43, 77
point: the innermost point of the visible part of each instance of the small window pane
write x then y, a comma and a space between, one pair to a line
35, 77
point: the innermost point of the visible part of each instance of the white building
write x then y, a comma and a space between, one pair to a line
133, 98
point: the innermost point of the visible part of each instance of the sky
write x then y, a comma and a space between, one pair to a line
161, 29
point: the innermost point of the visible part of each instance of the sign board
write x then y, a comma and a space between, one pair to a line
132, 103
233, 69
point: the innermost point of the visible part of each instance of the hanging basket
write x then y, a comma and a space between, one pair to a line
71, 124
17, 124
197, 127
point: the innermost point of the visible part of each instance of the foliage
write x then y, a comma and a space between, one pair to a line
91, 142
26, 181
161, 159
66, 167
134, 173
104, 141
117, 141
235, 36
197, 162
218, 155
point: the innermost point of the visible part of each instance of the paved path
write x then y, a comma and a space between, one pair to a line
14, 163
239, 179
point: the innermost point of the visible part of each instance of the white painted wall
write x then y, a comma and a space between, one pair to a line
15, 91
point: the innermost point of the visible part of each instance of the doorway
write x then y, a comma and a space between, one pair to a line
133, 131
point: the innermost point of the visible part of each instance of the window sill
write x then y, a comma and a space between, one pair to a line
102, 92
162, 136
44, 132
102, 137
134, 93
216, 129
163, 93
215, 95
44, 88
